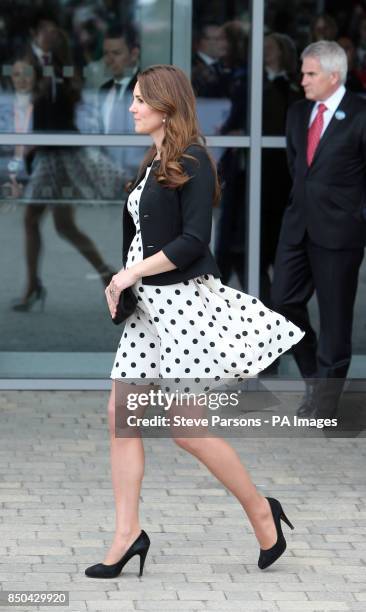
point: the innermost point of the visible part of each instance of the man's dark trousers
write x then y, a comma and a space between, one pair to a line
333, 274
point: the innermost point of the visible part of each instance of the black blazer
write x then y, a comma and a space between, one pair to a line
177, 221
327, 199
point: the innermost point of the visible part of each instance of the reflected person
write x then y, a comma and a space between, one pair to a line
121, 54
230, 231
57, 173
280, 91
208, 75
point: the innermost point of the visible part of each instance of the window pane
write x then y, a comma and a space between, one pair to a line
73, 69
60, 236
220, 65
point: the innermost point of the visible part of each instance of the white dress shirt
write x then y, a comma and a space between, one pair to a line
332, 104
206, 58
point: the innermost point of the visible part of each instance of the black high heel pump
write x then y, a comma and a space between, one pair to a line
269, 556
139, 547
38, 294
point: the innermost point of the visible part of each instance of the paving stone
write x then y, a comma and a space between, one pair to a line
57, 517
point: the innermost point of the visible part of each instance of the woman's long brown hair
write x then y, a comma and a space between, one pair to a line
167, 89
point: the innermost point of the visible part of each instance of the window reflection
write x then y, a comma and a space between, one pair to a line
61, 252
220, 66
291, 27
93, 51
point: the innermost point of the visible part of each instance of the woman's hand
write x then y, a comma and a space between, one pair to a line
119, 282
14, 188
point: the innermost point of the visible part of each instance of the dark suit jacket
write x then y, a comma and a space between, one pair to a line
208, 80
327, 199
177, 221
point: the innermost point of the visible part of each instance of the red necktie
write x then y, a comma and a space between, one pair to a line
315, 132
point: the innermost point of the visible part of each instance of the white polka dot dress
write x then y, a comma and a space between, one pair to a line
198, 329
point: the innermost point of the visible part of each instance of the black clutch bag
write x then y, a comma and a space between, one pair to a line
126, 306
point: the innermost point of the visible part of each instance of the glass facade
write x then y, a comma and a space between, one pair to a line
68, 149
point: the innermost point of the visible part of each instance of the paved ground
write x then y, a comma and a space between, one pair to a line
57, 517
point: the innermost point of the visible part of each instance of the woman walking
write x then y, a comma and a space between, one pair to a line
187, 324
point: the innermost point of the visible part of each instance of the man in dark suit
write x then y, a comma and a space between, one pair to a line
122, 56
208, 77
323, 231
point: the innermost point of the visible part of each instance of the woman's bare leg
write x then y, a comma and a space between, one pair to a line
33, 245
224, 463
64, 219
127, 466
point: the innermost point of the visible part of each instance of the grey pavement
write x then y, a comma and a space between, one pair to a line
56, 517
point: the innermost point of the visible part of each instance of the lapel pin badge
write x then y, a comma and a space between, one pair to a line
340, 115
